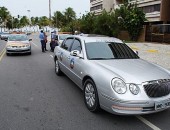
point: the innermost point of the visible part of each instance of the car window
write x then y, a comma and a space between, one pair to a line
76, 45
17, 38
67, 44
105, 50
62, 37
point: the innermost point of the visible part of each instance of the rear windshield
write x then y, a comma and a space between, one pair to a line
109, 50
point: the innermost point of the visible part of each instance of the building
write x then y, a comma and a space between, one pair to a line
97, 6
156, 10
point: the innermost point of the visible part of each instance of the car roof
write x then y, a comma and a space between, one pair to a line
97, 38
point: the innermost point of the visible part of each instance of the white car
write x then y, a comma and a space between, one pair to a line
18, 43
112, 76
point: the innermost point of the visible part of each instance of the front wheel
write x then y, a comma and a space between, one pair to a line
57, 68
91, 96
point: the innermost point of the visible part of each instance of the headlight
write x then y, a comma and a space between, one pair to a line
8, 46
134, 89
27, 45
119, 86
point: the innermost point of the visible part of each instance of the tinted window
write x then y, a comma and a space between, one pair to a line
67, 44
103, 50
76, 45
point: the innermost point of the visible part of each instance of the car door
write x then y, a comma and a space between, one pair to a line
64, 55
75, 64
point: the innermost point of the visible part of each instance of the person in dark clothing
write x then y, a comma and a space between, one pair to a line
53, 44
45, 38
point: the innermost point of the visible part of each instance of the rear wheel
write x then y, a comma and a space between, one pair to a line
91, 96
57, 68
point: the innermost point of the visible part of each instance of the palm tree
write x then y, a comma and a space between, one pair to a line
24, 21
70, 15
4, 15
58, 19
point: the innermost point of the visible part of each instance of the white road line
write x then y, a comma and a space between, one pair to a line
148, 123
52, 56
34, 44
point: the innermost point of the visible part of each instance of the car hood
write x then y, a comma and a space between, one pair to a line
17, 43
134, 70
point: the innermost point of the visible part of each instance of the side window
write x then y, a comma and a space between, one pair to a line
76, 45
67, 44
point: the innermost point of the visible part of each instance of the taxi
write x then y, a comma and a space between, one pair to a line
112, 76
18, 43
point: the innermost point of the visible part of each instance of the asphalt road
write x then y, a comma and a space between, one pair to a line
32, 97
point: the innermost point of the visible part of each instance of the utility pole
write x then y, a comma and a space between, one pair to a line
50, 9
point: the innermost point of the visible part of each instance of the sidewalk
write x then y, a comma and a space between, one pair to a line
154, 52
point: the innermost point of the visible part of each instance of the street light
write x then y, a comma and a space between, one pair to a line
50, 9
29, 17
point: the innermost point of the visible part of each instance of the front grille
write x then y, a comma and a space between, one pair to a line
157, 88
18, 50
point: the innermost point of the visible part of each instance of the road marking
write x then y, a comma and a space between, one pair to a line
148, 123
152, 51
2, 54
52, 56
2, 51
34, 44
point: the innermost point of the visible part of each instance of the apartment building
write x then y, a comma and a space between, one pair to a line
156, 10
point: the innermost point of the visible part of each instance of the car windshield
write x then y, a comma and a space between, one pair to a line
62, 37
109, 50
17, 38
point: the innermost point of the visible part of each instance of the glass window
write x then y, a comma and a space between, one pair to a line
67, 44
17, 38
76, 45
109, 50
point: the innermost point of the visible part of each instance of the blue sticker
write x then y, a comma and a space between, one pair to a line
61, 56
72, 63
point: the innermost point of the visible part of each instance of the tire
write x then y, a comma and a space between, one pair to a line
57, 68
7, 54
91, 96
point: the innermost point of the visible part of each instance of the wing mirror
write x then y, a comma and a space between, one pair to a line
76, 53
30, 39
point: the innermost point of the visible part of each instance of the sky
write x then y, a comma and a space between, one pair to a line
41, 7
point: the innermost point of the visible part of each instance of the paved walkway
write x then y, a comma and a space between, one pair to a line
154, 52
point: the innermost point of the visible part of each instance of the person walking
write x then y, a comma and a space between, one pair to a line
42, 40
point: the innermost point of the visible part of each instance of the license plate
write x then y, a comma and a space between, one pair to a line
162, 105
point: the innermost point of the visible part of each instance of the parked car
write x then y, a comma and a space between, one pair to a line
18, 43
112, 76
61, 37
5, 35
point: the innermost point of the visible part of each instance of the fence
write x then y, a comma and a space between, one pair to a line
158, 33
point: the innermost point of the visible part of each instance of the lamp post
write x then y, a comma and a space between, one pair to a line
29, 18
50, 9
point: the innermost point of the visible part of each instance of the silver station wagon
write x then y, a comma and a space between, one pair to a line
112, 76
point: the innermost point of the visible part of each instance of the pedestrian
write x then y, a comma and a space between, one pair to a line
53, 44
45, 38
42, 40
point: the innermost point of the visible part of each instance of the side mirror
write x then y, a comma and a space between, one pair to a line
76, 53
30, 39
